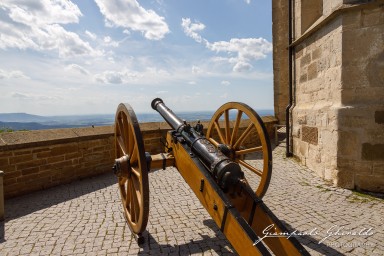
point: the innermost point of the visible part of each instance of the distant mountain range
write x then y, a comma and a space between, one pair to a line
24, 121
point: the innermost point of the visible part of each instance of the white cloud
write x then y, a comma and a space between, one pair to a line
248, 1
78, 68
91, 35
108, 41
240, 51
42, 12
241, 66
246, 48
225, 83
191, 29
21, 96
196, 70
33, 97
37, 25
130, 15
12, 74
116, 77
224, 96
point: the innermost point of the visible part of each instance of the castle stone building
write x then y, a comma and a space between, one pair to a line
329, 87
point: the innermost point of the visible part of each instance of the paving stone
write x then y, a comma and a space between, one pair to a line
85, 217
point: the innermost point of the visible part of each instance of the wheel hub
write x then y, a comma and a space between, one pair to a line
122, 167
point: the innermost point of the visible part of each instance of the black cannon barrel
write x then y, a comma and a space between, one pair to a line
174, 121
226, 172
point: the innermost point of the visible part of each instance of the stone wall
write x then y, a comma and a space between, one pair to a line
338, 110
361, 127
317, 100
35, 160
280, 58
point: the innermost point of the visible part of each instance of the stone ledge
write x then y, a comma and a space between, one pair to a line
21, 139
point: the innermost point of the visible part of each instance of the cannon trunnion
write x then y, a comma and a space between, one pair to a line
215, 166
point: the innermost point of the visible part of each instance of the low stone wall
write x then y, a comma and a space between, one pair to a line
35, 160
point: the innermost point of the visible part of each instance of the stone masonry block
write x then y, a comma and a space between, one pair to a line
312, 71
310, 134
372, 17
375, 69
55, 159
345, 179
33, 163
370, 182
379, 117
349, 143
4, 161
378, 168
303, 78
30, 171
372, 152
21, 152
316, 53
13, 174
305, 60
64, 148
351, 20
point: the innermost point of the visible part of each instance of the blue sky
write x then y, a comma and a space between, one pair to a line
85, 57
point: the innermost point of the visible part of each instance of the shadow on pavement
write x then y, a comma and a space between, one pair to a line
26, 204
206, 243
312, 243
2, 232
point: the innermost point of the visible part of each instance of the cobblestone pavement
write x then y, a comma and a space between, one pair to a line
85, 218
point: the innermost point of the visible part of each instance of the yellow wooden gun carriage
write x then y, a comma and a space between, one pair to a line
215, 167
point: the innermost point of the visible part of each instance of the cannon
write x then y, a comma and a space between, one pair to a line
215, 165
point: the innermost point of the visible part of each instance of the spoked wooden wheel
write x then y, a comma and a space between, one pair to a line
131, 168
243, 139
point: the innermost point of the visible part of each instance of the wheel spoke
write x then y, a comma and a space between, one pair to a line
135, 172
120, 127
218, 129
136, 195
214, 142
123, 189
250, 167
226, 120
128, 200
236, 127
248, 150
243, 136
134, 154
121, 144
124, 126
131, 142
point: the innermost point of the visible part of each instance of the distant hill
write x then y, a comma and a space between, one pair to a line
32, 126
24, 121
22, 117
